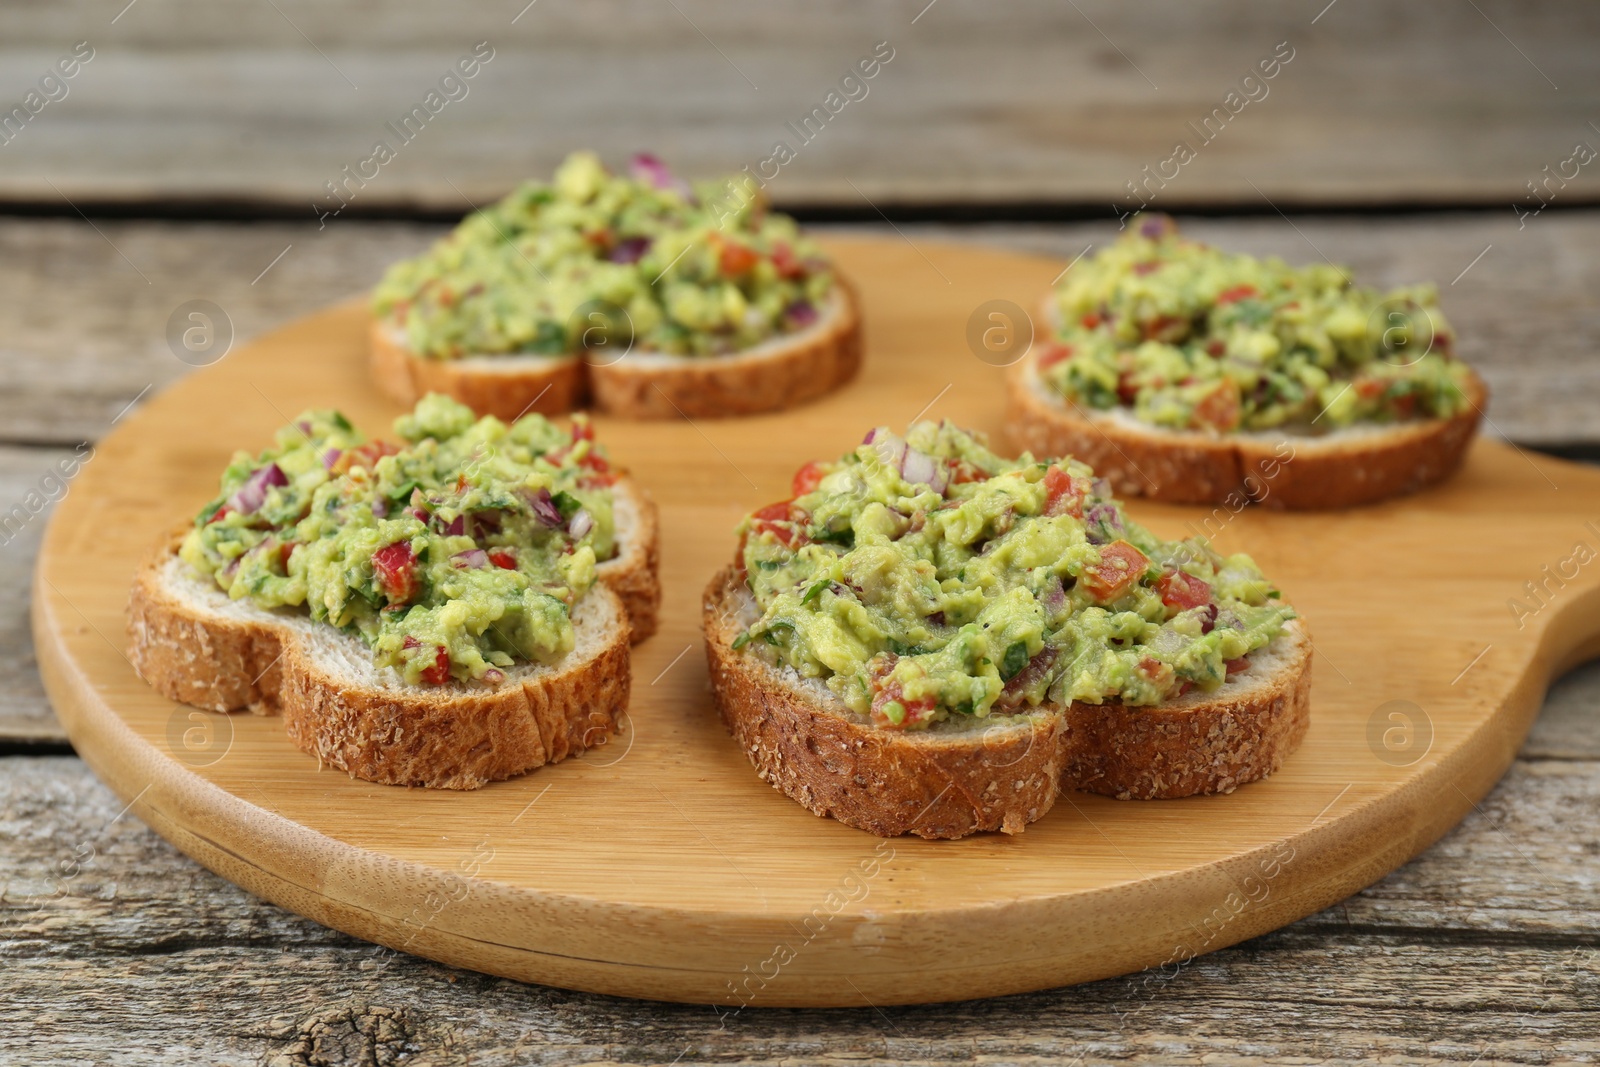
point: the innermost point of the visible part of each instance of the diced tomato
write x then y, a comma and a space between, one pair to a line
1181, 591
1370, 388
1155, 670
1215, 349
601, 238
1053, 353
1220, 407
1238, 292
883, 695
410, 642
285, 550
1127, 387
962, 472
807, 478
582, 429
1090, 321
221, 513
439, 672
1149, 266
1236, 665
1166, 328
396, 568
1405, 406
782, 520
503, 559
1064, 494
783, 258
1118, 570
366, 455
735, 259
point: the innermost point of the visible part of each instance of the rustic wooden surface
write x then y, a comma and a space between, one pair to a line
1046, 101
1485, 946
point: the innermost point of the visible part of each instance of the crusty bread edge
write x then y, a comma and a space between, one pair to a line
812, 749
1004, 775
449, 737
1297, 472
634, 574
506, 387
783, 373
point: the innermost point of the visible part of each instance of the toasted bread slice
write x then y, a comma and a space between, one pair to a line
1339, 469
779, 373
195, 645
634, 573
507, 387
959, 777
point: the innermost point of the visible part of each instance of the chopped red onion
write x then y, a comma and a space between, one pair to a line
253, 493
629, 250
801, 313
331, 457
648, 168
544, 508
380, 507
493, 676
890, 448
582, 522
919, 468
1054, 597
471, 559
457, 526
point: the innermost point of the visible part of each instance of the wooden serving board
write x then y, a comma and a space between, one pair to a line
660, 866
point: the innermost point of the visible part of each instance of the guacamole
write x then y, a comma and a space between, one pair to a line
926, 577
1185, 336
453, 553
523, 275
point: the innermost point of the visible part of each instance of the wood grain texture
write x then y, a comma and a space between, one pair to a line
85, 333
1041, 101
691, 882
139, 956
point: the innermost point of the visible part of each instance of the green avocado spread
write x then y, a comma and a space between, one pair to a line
925, 577
453, 553
1185, 336
549, 270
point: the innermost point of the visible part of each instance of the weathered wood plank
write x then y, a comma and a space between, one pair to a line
85, 334
86, 330
30, 482
117, 950
1045, 101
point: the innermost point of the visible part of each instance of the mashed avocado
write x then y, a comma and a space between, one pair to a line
513, 277
1190, 337
455, 553
927, 577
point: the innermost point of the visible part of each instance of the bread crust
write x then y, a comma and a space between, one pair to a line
446, 737
782, 373
634, 574
811, 747
507, 387
1292, 472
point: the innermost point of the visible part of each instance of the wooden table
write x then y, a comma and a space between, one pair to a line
116, 949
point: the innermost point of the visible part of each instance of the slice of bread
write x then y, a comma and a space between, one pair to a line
634, 573
959, 777
1342, 468
195, 645
780, 373
507, 387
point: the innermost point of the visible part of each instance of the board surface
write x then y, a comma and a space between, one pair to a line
660, 866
